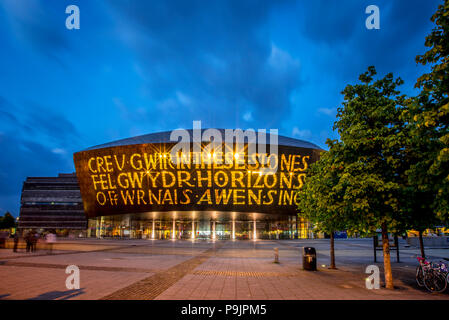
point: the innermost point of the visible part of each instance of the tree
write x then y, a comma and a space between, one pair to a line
7, 221
428, 117
418, 213
372, 138
320, 198
418, 192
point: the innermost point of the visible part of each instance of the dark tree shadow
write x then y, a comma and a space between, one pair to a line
61, 295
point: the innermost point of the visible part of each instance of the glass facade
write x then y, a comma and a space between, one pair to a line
199, 225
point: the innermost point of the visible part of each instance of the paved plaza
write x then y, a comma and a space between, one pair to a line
185, 270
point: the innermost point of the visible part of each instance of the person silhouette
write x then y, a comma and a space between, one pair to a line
16, 241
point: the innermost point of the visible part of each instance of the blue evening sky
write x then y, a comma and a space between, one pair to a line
137, 67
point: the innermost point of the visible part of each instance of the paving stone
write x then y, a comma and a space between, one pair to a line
185, 270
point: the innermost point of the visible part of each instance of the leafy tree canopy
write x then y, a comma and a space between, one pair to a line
321, 198
7, 221
428, 118
371, 153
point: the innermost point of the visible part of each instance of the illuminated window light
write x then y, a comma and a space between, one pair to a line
236, 155
193, 225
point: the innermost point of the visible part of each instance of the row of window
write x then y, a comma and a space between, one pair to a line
52, 203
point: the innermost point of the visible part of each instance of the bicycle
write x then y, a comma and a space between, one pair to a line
433, 276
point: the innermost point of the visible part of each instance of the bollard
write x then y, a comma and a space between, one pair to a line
276, 255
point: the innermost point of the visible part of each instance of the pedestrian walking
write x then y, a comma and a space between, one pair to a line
3, 236
16, 241
28, 241
50, 239
34, 239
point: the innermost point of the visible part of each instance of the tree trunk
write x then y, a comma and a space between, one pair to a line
387, 261
332, 252
421, 244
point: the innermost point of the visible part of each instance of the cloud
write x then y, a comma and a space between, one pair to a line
59, 151
39, 123
48, 122
338, 29
21, 158
247, 116
281, 60
328, 111
35, 141
183, 98
217, 54
136, 67
302, 134
36, 24
331, 22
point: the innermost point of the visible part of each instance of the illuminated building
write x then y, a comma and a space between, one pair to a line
134, 188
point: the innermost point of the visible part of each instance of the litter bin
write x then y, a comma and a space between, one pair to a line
309, 258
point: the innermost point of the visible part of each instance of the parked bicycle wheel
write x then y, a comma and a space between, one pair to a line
419, 276
435, 281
